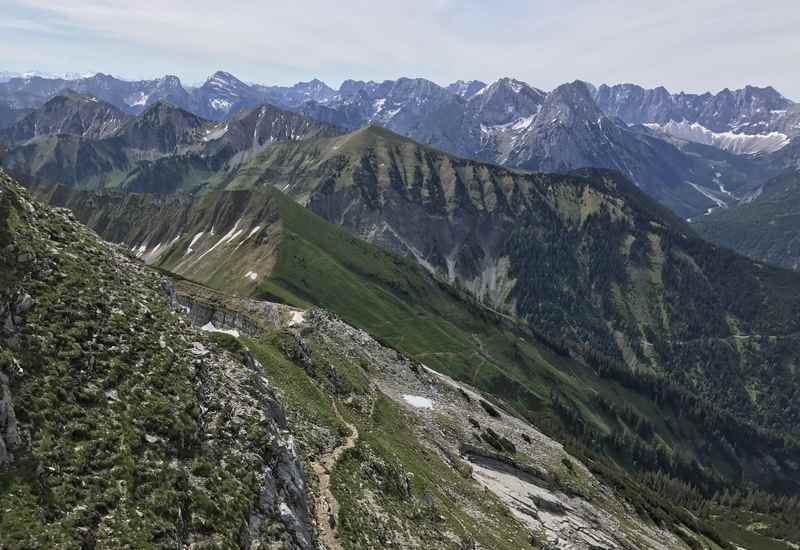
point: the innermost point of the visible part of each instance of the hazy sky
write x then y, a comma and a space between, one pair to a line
685, 45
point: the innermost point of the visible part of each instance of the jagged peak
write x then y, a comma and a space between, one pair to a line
170, 81
223, 79
164, 106
71, 95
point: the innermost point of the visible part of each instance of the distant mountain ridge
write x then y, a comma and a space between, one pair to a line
648, 135
750, 110
82, 141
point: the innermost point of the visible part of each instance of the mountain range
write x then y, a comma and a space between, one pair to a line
652, 136
459, 317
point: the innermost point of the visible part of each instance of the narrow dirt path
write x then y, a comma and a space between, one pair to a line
326, 505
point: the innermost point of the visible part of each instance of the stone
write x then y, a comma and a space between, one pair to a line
24, 258
24, 303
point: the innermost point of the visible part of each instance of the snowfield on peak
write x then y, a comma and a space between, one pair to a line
738, 143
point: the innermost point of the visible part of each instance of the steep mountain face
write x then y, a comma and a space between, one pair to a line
71, 113
119, 423
748, 110
748, 120
249, 131
133, 96
566, 133
221, 95
504, 101
569, 131
31, 92
162, 129
416, 107
765, 228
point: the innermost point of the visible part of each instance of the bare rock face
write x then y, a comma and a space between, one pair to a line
10, 320
9, 436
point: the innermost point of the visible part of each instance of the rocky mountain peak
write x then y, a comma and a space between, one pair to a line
568, 104
314, 90
222, 80
163, 106
506, 100
162, 127
170, 82
407, 88
351, 87
69, 113
465, 88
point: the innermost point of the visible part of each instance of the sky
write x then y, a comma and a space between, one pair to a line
693, 46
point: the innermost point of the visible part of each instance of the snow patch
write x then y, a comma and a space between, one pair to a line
209, 327
215, 132
221, 104
418, 401
252, 232
252, 275
189, 249
708, 194
137, 100
298, 317
523, 123
229, 236
740, 144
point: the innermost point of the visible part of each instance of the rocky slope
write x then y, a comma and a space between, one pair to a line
122, 425
427, 460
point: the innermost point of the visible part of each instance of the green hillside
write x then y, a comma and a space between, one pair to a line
767, 228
